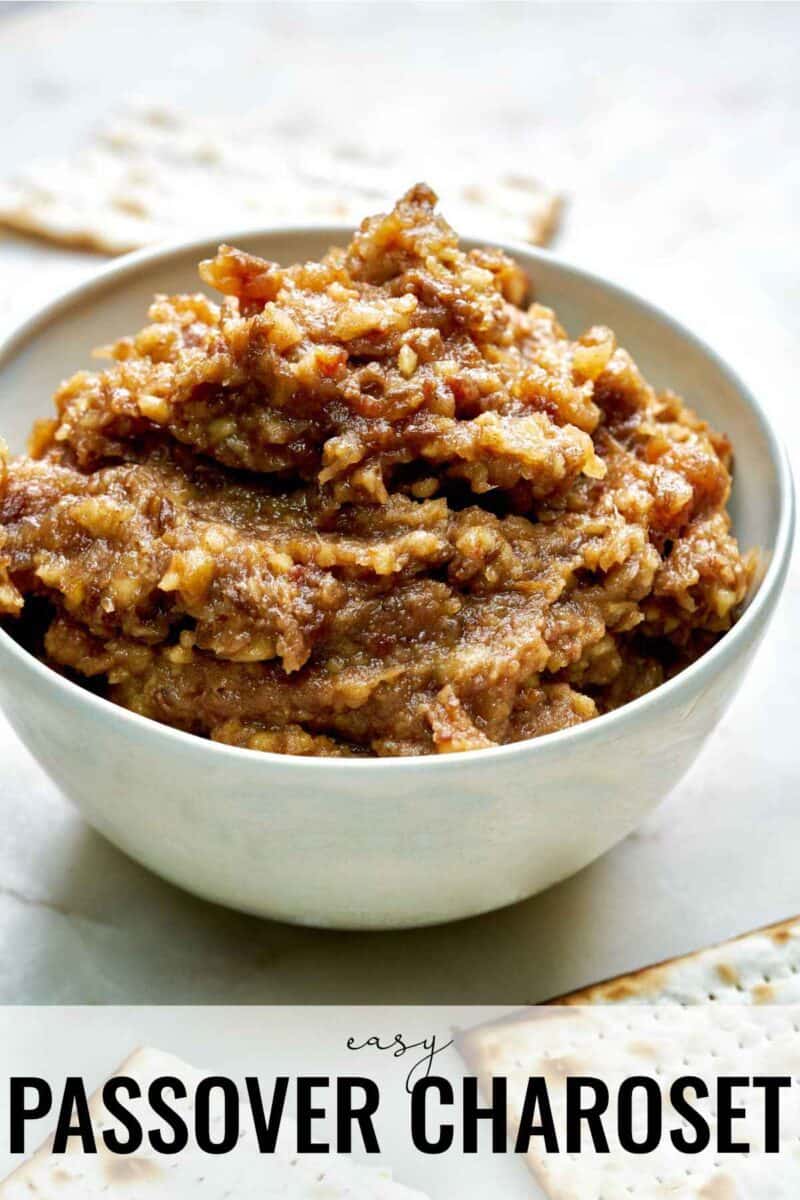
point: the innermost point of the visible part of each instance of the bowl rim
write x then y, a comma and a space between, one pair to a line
757, 613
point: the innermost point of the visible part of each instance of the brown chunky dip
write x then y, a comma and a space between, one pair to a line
371, 505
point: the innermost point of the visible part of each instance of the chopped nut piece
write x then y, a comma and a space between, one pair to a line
155, 408
407, 361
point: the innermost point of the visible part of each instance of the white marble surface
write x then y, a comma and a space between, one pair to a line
673, 131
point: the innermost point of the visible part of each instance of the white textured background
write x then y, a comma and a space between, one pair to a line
673, 129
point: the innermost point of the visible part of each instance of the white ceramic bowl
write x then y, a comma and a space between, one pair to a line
385, 843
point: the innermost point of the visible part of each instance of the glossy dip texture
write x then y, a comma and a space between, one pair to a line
375, 504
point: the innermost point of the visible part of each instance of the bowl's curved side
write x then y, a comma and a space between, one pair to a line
377, 848
371, 844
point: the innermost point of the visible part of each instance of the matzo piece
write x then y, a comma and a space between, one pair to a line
732, 1009
762, 967
244, 1174
153, 175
